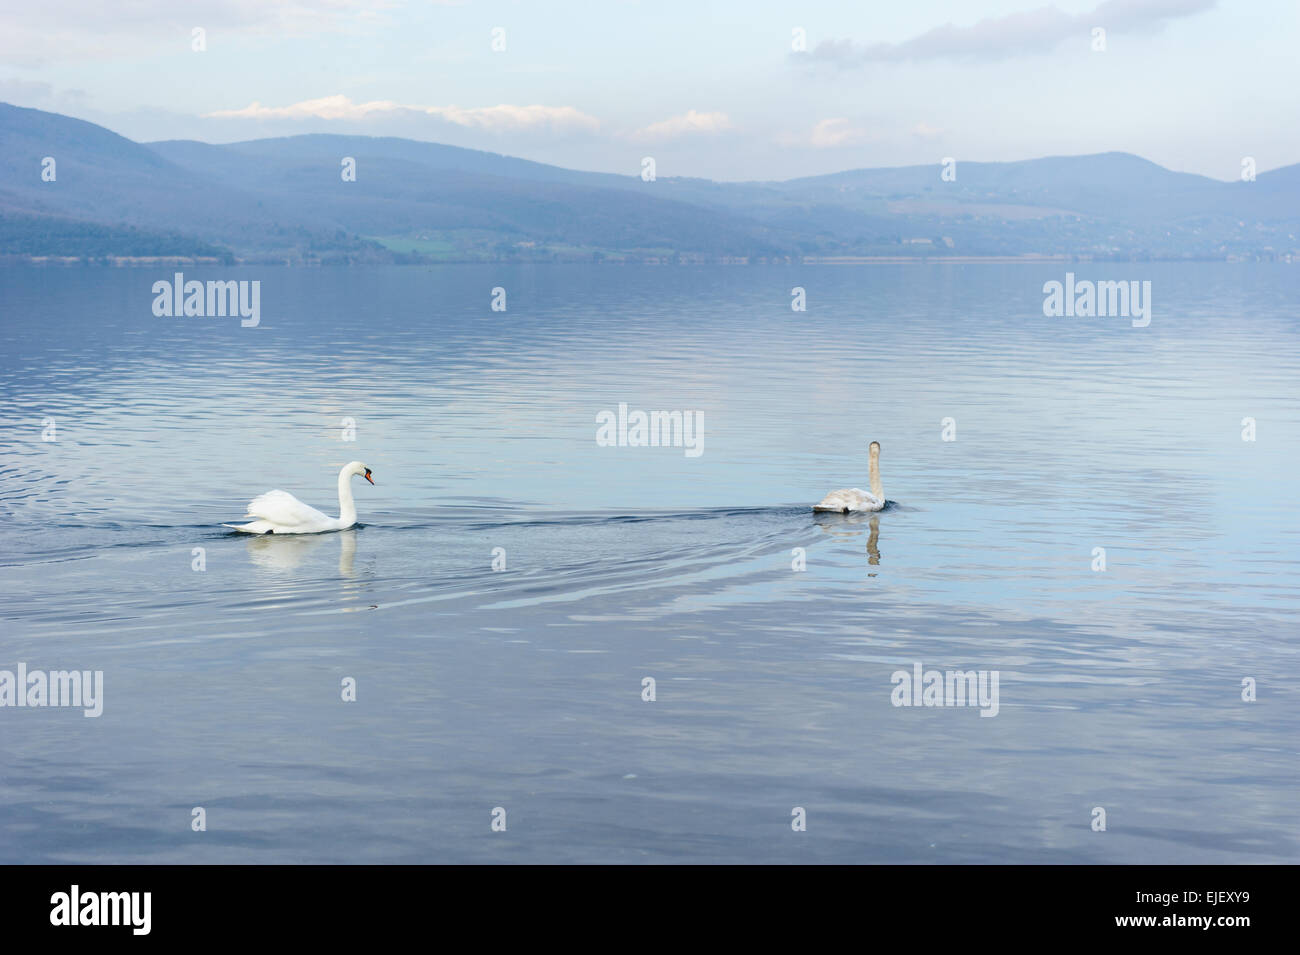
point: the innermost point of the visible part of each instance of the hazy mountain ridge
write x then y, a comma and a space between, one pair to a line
284, 198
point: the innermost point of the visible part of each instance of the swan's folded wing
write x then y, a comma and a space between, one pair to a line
848, 499
840, 500
282, 508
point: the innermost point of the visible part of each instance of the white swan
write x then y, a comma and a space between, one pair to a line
856, 499
279, 512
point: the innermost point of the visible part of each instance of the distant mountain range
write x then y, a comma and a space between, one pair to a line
285, 200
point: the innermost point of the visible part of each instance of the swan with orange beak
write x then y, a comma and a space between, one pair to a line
279, 512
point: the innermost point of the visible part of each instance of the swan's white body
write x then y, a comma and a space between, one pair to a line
279, 512
850, 499
854, 498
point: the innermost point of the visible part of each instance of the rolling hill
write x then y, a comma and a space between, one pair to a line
284, 199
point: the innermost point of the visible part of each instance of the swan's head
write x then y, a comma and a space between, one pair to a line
357, 468
875, 449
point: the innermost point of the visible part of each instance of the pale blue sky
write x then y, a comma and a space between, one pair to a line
708, 88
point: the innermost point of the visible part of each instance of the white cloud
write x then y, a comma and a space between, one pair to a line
837, 131
689, 123
503, 117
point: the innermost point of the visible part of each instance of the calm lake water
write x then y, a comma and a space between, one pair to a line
521, 688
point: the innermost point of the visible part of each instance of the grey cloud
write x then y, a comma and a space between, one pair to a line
37, 94
1017, 34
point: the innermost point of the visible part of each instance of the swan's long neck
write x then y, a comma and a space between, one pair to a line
347, 507
877, 489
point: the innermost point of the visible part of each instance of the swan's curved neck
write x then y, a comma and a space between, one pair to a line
877, 489
347, 507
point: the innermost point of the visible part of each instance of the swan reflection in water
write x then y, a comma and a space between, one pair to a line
279, 552
842, 525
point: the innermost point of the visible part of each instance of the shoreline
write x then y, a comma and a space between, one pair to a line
126, 262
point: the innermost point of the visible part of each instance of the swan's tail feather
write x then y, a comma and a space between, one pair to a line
848, 500
253, 527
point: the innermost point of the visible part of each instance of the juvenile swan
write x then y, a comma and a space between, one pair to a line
279, 512
856, 499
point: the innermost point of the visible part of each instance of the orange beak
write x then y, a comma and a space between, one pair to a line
369, 478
